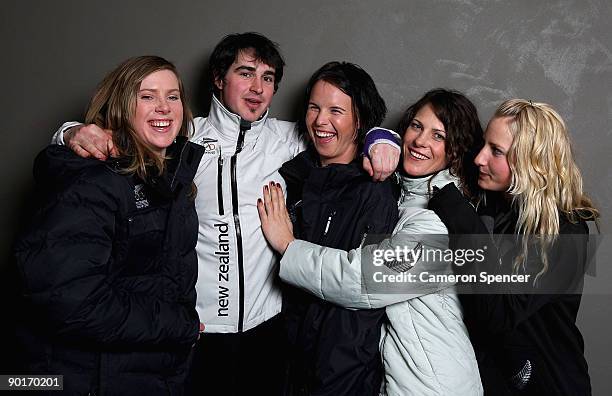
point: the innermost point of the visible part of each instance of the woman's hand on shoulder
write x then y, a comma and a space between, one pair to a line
275, 222
383, 163
91, 141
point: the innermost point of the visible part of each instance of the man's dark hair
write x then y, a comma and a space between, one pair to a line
463, 132
368, 106
226, 52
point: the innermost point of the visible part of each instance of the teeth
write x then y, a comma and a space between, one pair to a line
160, 123
323, 135
418, 156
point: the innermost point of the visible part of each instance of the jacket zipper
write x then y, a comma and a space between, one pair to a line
244, 126
365, 235
220, 184
329, 219
180, 161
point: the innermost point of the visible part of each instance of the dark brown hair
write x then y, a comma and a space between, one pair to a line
464, 136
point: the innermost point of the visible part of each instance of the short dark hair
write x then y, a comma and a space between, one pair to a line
368, 106
229, 47
463, 132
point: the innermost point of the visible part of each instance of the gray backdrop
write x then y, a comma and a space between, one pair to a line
558, 52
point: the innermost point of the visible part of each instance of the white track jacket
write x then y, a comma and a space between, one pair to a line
237, 283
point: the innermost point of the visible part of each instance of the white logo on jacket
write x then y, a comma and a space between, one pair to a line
140, 197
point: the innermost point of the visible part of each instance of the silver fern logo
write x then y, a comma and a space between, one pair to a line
410, 259
520, 379
140, 197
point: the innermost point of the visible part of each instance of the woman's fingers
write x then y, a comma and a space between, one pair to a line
275, 222
281, 213
282, 207
273, 203
281, 197
261, 209
275, 198
269, 206
267, 200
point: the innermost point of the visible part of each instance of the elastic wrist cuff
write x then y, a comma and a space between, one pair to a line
380, 136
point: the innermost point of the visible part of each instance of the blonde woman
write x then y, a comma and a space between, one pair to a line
528, 342
108, 263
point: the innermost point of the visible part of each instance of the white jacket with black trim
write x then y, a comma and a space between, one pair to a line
237, 286
237, 274
424, 345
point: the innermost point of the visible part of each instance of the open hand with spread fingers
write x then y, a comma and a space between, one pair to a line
275, 222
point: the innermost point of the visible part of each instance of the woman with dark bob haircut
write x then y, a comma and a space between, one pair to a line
424, 343
333, 202
366, 103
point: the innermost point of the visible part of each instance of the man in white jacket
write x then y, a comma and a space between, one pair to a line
239, 297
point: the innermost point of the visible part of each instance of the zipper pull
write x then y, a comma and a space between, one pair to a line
328, 222
365, 235
220, 183
244, 126
220, 160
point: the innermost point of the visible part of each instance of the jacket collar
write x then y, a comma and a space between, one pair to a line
423, 186
298, 169
227, 124
305, 169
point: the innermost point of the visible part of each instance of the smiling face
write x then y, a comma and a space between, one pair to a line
248, 86
159, 110
494, 171
424, 144
331, 124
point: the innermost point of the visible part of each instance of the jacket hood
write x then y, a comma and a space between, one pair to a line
423, 186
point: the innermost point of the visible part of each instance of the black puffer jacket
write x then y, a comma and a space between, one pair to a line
336, 349
108, 268
527, 342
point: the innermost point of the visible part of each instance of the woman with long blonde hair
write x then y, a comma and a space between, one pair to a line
545, 182
526, 339
108, 263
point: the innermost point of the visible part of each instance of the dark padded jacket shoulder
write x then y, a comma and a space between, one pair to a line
108, 268
526, 343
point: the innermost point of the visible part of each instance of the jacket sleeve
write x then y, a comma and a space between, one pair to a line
58, 136
456, 212
66, 261
340, 277
501, 312
378, 135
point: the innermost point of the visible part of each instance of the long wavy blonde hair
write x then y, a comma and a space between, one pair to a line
113, 106
545, 178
